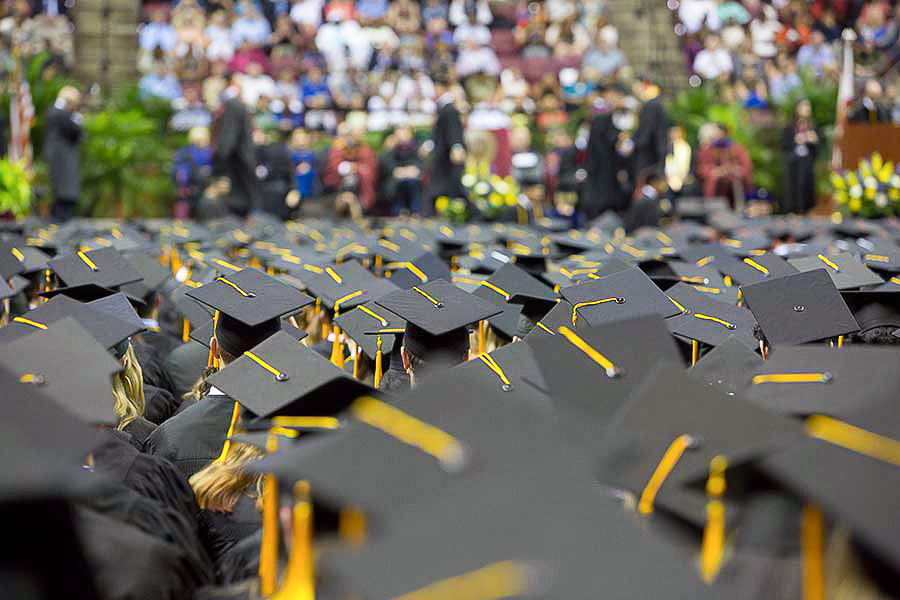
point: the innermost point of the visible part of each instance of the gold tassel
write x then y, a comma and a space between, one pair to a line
337, 348
714, 532
298, 580
813, 551
268, 550
211, 360
482, 334
378, 365
185, 331
695, 352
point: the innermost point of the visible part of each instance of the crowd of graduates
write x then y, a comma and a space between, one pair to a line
409, 408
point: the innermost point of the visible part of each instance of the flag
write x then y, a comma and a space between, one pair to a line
21, 108
845, 95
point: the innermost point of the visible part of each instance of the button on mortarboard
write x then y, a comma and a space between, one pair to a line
709, 321
800, 308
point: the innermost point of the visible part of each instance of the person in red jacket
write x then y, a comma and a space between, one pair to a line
351, 170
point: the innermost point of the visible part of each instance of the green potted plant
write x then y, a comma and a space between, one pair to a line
15, 190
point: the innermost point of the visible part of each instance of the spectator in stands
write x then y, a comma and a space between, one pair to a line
250, 27
782, 77
763, 32
461, 11
724, 167
696, 15
305, 162
568, 38
371, 11
190, 112
604, 58
870, 108
161, 83
220, 46
307, 15
404, 173
474, 58
255, 83
679, 161
732, 11
158, 33
816, 56
714, 61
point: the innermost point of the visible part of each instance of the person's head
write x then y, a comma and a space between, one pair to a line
803, 109
69, 97
709, 134
199, 137
232, 338
422, 352
159, 15
712, 42
218, 18
299, 139
403, 135
128, 389
873, 89
817, 38
676, 133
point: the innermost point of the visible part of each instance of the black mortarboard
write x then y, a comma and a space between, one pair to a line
671, 272
800, 308
806, 380
511, 283
718, 257
425, 268
105, 267
12, 260
197, 314
884, 259
843, 268
250, 296
879, 307
282, 377
369, 317
33, 259
618, 296
154, 276
513, 370
668, 406
85, 292
347, 285
707, 320
767, 266
726, 366
593, 370
107, 329
69, 366
510, 322
437, 314
849, 468
204, 333
468, 282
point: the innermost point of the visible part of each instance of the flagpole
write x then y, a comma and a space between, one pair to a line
845, 96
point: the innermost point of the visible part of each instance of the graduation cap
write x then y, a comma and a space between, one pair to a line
153, 274
33, 259
511, 283
844, 269
805, 380
663, 439
86, 292
873, 308
767, 266
467, 282
190, 309
512, 369
250, 303
361, 323
668, 273
109, 330
848, 467
12, 260
347, 285
205, 332
800, 308
709, 321
884, 259
437, 315
282, 377
726, 366
618, 296
69, 366
558, 316
105, 267
425, 268
591, 371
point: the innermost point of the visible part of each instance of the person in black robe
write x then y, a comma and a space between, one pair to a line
185, 365
871, 108
448, 154
62, 141
651, 139
276, 174
800, 144
152, 369
647, 209
602, 190
234, 153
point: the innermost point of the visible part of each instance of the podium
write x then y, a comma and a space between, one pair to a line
862, 140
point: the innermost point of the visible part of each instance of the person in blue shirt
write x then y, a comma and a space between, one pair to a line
193, 168
305, 164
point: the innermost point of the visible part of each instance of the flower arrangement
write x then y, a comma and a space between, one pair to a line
872, 190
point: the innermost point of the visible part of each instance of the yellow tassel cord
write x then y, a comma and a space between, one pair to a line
337, 345
813, 530
854, 439
825, 377
488, 360
482, 335
508, 579
29, 322
593, 303
268, 550
90, 264
695, 352
211, 360
352, 525
185, 331
593, 354
235, 413
665, 466
378, 363
714, 532
299, 582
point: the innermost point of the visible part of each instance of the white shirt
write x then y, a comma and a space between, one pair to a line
712, 64
695, 14
307, 12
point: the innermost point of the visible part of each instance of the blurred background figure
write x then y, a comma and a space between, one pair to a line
193, 171
62, 152
234, 154
800, 144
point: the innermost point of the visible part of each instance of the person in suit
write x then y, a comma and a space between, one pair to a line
651, 139
234, 152
61, 151
448, 154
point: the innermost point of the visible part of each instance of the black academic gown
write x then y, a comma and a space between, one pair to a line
643, 212
651, 139
445, 177
193, 438
799, 173
152, 369
162, 342
276, 161
221, 531
602, 191
62, 138
395, 381
159, 404
139, 429
129, 564
235, 157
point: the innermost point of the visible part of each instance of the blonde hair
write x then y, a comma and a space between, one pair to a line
220, 485
128, 390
